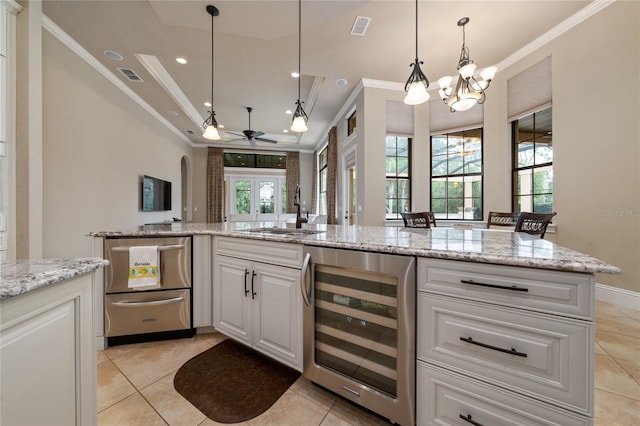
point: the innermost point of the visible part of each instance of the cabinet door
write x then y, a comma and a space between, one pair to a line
277, 313
232, 296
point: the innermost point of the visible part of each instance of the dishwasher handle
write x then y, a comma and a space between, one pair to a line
306, 284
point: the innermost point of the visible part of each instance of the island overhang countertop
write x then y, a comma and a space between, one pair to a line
472, 245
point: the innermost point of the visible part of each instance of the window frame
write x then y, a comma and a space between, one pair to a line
322, 178
516, 169
397, 177
458, 177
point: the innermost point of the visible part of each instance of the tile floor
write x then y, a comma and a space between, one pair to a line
135, 383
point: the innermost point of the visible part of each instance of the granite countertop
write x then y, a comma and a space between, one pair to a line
475, 245
23, 276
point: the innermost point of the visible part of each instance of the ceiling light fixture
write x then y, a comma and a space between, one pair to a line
300, 118
417, 83
469, 91
181, 61
210, 124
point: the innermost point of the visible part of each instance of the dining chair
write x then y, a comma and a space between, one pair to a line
534, 223
502, 219
416, 219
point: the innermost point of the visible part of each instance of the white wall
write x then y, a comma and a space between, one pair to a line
97, 142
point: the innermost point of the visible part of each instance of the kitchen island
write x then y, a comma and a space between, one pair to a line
47, 344
504, 321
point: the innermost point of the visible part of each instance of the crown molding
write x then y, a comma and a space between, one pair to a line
57, 32
12, 6
164, 79
564, 26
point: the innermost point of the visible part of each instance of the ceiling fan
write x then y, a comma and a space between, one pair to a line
251, 135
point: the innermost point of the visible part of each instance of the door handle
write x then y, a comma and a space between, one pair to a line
253, 293
303, 281
246, 290
132, 304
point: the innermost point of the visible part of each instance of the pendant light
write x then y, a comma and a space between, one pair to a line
417, 83
468, 91
300, 118
210, 124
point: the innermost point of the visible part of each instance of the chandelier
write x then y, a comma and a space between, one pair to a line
469, 91
210, 124
417, 83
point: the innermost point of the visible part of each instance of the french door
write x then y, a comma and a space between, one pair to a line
257, 194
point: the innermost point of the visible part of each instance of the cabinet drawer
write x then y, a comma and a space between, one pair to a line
261, 251
563, 293
443, 396
537, 355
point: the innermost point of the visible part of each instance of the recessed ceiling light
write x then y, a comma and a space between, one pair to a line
295, 74
221, 126
341, 82
181, 61
207, 104
289, 112
286, 130
113, 55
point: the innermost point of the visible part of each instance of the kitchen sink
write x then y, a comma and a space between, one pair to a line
285, 231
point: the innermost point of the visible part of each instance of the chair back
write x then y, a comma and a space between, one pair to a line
502, 219
416, 219
534, 223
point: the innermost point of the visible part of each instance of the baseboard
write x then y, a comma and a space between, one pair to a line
618, 296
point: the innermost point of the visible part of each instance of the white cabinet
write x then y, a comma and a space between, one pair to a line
524, 337
257, 298
48, 353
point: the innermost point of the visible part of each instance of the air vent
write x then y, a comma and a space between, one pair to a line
130, 74
191, 132
360, 25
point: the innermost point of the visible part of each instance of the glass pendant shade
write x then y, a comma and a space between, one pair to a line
488, 73
464, 100
417, 93
467, 71
299, 124
211, 133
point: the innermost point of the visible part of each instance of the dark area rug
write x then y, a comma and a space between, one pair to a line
232, 383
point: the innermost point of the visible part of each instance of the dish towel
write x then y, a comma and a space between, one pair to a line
144, 273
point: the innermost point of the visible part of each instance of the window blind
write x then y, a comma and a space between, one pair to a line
530, 90
399, 118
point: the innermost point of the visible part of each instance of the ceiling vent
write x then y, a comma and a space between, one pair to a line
191, 132
360, 25
130, 74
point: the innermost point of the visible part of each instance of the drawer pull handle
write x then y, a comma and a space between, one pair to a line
134, 304
495, 348
246, 290
501, 287
160, 248
468, 419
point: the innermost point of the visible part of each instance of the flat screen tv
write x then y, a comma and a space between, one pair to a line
155, 194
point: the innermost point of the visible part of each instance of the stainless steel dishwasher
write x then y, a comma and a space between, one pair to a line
359, 328
134, 316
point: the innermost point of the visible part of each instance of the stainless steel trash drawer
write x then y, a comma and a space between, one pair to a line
147, 312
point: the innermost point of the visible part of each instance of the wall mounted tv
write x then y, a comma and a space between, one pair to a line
155, 194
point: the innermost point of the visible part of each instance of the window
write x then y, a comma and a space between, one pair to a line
456, 175
398, 176
351, 123
533, 163
260, 161
322, 180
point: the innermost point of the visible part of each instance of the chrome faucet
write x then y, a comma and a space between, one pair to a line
296, 202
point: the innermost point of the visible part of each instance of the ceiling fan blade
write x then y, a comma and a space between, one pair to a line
266, 140
256, 134
253, 143
239, 139
235, 134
